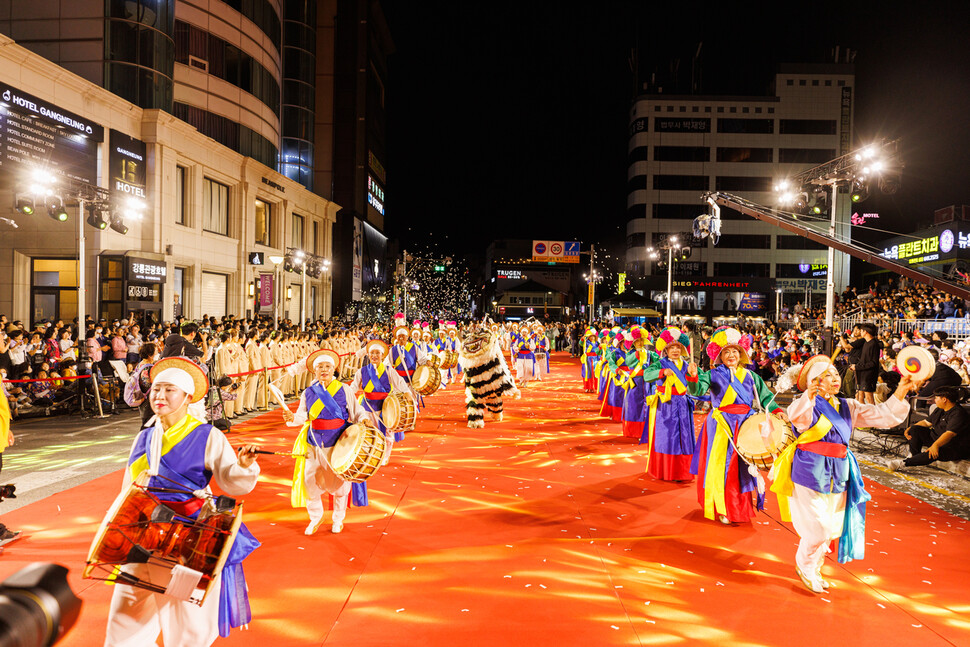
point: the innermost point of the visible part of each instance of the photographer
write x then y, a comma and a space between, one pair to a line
184, 345
6, 440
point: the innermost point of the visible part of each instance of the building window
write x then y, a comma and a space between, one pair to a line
296, 239
681, 154
720, 108
743, 270
801, 82
733, 109
814, 82
693, 108
180, 195
264, 223
753, 126
744, 241
678, 211
638, 154
790, 82
638, 239
656, 108
215, 207
707, 108
828, 83
807, 126
744, 154
746, 110
771, 111
681, 182
805, 155
683, 108
757, 111
636, 183
670, 108
842, 83
796, 242
742, 183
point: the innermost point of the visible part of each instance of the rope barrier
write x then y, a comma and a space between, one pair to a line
49, 379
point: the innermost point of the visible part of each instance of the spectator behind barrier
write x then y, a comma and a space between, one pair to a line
946, 433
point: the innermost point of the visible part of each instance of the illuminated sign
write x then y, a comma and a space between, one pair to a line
514, 275
946, 241
916, 251
712, 284
621, 288
861, 218
140, 269
555, 251
375, 195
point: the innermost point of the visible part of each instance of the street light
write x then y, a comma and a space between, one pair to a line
672, 243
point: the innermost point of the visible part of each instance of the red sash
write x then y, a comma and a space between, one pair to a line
324, 424
375, 396
822, 448
185, 508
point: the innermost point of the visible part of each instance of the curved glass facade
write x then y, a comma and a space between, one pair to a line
227, 62
299, 71
227, 132
263, 15
140, 51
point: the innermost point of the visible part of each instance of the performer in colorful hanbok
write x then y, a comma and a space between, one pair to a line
455, 346
525, 358
601, 367
817, 479
327, 408
725, 483
669, 432
442, 344
542, 350
406, 356
377, 380
638, 357
617, 381
180, 455
590, 351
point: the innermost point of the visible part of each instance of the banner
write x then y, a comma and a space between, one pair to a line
621, 288
589, 295
358, 263
555, 251
266, 291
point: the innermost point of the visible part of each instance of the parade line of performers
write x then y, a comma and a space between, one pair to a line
653, 389
197, 593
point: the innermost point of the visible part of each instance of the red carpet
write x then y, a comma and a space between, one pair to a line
542, 530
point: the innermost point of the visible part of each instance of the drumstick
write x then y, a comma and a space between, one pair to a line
263, 451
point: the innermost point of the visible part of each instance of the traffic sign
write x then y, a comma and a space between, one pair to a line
555, 251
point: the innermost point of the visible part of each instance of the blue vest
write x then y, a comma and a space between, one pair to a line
184, 463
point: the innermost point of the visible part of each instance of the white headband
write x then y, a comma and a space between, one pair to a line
176, 377
378, 345
817, 370
324, 358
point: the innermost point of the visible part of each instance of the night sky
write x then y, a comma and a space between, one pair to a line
509, 119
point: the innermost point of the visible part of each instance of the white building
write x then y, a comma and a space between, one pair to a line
683, 146
207, 209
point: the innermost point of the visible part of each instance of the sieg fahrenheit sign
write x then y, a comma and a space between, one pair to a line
128, 166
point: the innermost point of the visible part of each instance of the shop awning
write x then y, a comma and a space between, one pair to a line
635, 312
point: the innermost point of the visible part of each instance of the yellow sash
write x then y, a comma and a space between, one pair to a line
714, 501
300, 448
170, 438
782, 484
670, 382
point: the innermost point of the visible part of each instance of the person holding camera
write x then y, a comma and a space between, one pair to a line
945, 434
6, 440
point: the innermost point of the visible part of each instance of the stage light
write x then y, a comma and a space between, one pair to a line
25, 205
860, 191
55, 208
118, 225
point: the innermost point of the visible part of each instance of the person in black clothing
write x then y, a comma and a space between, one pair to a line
181, 345
942, 376
852, 347
946, 432
867, 367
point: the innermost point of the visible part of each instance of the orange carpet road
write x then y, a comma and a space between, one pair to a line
540, 530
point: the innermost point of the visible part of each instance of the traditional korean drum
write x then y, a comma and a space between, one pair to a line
359, 453
140, 528
426, 380
399, 411
449, 359
761, 438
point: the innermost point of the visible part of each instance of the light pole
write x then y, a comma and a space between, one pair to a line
671, 245
778, 304
592, 278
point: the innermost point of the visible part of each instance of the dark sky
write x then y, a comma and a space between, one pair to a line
509, 119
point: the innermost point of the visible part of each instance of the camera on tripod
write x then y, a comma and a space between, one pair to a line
7, 491
37, 607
